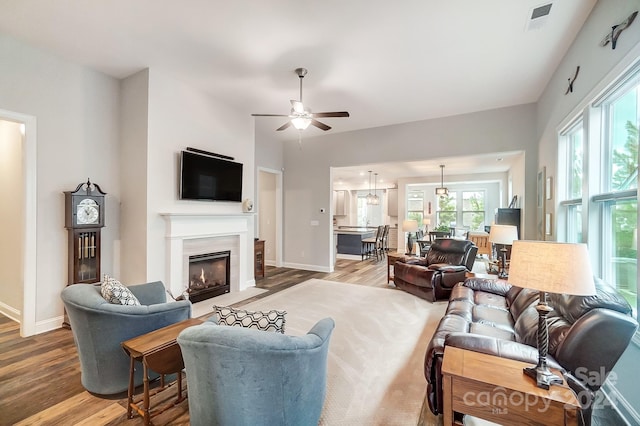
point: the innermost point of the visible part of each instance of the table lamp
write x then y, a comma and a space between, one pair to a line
505, 235
409, 226
549, 267
426, 222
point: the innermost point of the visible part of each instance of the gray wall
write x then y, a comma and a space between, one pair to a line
307, 181
598, 67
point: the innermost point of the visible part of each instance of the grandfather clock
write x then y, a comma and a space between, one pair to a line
84, 219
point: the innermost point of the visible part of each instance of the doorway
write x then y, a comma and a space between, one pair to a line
18, 188
269, 209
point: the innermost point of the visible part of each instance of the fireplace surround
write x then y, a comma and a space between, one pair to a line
195, 234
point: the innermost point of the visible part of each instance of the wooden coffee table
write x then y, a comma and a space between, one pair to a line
158, 351
497, 390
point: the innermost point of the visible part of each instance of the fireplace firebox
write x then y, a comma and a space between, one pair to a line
209, 275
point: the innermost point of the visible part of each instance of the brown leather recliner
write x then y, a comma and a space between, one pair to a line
433, 276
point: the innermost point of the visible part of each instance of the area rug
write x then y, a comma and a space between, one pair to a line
206, 306
376, 353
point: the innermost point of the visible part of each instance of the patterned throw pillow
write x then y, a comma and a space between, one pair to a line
268, 321
115, 292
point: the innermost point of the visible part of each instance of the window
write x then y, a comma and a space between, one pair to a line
368, 214
572, 203
600, 195
446, 214
415, 206
618, 202
473, 210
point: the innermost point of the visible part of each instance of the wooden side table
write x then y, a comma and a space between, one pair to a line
497, 390
160, 352
392, 257
259, 258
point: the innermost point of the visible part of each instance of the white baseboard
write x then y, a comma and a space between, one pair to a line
304, 267
627, 412
349, 256
50, 324
10, 312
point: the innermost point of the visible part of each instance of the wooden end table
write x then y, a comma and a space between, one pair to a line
497, 390
392, 257
158, 351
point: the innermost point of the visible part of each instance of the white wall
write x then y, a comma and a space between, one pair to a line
77, 114
134, 118
181, 117
598, 67
307, 175
11, 218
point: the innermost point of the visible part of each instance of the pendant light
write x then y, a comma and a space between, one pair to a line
442, 191
370, 195
375, 200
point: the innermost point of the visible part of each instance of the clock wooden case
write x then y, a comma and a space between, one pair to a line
84, 219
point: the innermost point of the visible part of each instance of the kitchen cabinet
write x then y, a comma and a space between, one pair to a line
340, 203
392, 202
393, 238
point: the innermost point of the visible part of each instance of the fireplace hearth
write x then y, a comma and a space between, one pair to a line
209, 275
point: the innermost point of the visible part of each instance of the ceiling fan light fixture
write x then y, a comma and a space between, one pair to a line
301, 123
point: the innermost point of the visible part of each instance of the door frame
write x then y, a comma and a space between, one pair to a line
29, 173
278, 207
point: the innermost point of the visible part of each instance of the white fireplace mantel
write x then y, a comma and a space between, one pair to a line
187, 226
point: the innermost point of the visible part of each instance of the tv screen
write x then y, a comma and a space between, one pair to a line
203, 177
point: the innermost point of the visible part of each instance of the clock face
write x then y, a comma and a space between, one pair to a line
88, 212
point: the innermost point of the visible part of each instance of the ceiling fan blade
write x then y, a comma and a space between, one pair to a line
285, 125
269, 115
331, 114
320, 125
297, 106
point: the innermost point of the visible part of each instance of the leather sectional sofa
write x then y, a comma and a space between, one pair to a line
587, 335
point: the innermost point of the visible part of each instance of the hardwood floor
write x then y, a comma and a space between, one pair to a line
40, 375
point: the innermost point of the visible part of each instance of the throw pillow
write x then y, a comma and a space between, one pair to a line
268, 321
115, 292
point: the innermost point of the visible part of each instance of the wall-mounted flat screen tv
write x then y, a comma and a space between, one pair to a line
203, 177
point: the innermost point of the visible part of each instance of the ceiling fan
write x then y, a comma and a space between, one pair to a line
302, 117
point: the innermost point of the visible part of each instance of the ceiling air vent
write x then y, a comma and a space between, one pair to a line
538, 17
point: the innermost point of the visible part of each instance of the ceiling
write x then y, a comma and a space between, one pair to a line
384, 62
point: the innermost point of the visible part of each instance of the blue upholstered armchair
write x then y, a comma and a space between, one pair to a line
99, 327
240, 376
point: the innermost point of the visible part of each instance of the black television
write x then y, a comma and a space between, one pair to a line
203, 177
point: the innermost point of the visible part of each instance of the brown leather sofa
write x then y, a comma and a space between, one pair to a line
587, 335
433, 276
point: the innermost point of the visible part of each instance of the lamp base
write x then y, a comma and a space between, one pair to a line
543, 376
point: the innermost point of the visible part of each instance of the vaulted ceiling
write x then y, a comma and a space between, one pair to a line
384, 62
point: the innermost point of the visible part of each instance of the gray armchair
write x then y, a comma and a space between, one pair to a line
240, 376
99, 327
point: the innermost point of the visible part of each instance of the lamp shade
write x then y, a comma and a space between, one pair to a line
426, 221
503, 234
409, 225
552, 267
